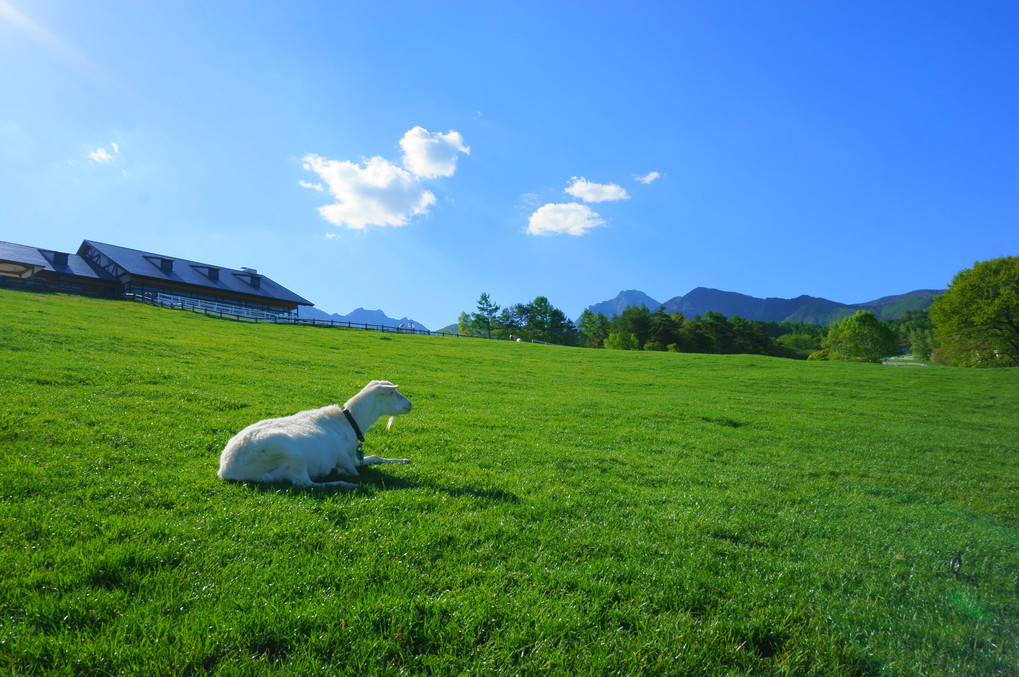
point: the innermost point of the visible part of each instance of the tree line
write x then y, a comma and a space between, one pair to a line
538, 320
638, 328
974, 323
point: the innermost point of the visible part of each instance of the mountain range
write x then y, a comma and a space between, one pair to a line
807, 309
359, 316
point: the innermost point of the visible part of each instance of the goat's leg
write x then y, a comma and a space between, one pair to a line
337, 483
375, 460
298, 476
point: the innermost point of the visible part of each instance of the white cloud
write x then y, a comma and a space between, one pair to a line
379, 193
572, 219
101, 155
596, 192
648, 178
431, 155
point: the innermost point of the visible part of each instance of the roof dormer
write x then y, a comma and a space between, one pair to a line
210, 272
251, 277
58, 259
164, 264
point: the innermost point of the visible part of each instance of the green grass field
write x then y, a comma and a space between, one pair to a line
568, 511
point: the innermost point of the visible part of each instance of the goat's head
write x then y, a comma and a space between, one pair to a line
386, 400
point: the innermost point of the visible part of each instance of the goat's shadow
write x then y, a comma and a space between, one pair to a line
372, 482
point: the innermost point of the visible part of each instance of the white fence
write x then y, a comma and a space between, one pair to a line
216, 308
228, 312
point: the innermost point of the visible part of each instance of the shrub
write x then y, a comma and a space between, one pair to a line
620, 342
860, 337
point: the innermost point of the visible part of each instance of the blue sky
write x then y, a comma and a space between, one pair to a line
409, 156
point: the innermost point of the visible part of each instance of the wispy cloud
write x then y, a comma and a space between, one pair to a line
650, 177
378, 192
530, 200
432, 155
571, 218
587, 191
102, 156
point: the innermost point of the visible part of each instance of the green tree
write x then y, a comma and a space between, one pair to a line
860, 336
915, 332
509, 323
800, 344
634, 321
921, 343
463, 324
594, 329
617, 341
560, 329
751, 338
483, 321
665, 330
977, 318
719, 333
696, 338
538, 320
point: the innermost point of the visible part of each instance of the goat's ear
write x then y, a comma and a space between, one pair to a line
388, 387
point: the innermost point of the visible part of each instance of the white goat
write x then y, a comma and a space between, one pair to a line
314, 443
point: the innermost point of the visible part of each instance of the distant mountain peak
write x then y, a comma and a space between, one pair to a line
362, 316
623, 300
887, 300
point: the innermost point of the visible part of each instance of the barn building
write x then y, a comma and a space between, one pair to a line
100, 269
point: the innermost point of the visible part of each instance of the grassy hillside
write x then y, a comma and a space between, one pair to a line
567, 511
899, 307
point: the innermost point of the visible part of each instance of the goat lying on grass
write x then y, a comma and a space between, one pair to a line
312, 444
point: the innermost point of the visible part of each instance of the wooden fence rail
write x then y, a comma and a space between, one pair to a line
308, 322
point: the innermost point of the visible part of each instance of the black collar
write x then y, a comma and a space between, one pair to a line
353, 424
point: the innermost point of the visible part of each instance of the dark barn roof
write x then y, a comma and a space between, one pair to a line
17, 260
106, 269
165, 270
33, 260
